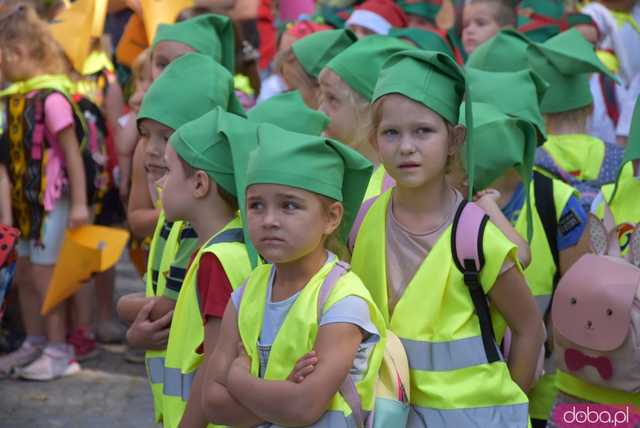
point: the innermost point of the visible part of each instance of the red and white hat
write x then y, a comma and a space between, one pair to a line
378, 16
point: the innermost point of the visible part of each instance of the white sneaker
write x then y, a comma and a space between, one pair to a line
51, 366
26, 354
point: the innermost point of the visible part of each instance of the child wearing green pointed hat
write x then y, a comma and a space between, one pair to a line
301, 64
620, 197
209, 34
302, 192
414, 280
205, 159
586, 162
346, 88
545, 210
163, 110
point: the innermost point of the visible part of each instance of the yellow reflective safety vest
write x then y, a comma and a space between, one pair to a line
164, 246
540, 276
187, 330
452, 384
624, 207
580, 155
379, 182
297, 336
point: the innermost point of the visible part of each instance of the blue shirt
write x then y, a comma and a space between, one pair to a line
572, 223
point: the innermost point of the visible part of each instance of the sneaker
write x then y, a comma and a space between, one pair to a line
25, 354
110, 332
51, 365
84, 344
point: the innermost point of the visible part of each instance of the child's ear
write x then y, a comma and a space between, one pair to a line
459, 133
201, 184
334, 217
372, 138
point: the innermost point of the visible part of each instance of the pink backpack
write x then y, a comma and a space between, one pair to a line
596, 313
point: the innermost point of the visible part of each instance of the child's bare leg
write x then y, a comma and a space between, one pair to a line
29, 298
55, 320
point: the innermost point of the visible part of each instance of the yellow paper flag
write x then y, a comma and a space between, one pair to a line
72, 29
85, 251
99, 16
155, 12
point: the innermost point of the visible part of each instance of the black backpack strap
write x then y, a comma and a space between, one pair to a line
546, 207
466, 263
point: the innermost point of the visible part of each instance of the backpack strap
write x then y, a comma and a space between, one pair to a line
357, 223
348, 388
546, 207
467, 253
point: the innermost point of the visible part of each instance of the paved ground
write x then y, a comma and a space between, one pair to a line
109, 392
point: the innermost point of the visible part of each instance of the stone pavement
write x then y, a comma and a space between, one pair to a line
109, 392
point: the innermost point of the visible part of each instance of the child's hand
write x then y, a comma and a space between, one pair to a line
78, 216
147, 334
304, 367
487, 199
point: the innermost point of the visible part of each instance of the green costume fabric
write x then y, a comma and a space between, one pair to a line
506, 51
425, 10
516, 93
565, 62
288, 111
188, 88
359, 64
316, 50
320, 165
434, 80
209, 34
427, 40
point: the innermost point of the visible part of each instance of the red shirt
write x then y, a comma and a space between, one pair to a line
214, 287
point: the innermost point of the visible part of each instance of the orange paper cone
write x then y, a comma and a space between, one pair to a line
155, 12
85, 251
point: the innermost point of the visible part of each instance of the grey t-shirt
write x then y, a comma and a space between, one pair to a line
351, 309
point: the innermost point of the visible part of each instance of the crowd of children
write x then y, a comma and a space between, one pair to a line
378, 213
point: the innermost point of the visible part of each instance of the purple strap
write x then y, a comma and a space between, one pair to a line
348, 388
38, 130
387, 182
357, 223
467, 234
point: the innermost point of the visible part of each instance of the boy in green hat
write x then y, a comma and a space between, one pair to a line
203, 158
506, 51
346, 87
163, 110
209, 34
301, 192
458, 379
565, 63
544, 210
482, 19
301, 64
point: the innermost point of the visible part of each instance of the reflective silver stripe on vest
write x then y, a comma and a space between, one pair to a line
543, 302
444, 356
155, 369
507, 416
177, 384
331, 419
